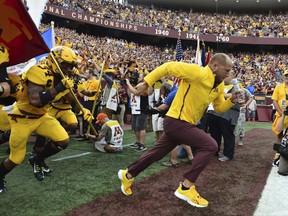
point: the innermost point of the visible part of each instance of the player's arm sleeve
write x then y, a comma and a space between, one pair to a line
3, 74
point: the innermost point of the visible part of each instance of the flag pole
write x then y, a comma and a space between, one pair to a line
198, 47
71, 91
98, 89
179, 55
179, 34
53, 34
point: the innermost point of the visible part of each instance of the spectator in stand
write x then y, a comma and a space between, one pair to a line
91, 84
123, 100
110, 100
243, 25
251, 88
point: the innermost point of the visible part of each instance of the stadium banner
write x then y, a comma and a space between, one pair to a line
108, 23
18, 33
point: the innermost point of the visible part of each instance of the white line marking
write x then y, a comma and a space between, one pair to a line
72, 156
125, 145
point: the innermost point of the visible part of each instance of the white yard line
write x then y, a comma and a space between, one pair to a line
83, 154
72, 156
125, 145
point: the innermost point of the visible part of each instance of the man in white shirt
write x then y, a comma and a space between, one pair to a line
110, 138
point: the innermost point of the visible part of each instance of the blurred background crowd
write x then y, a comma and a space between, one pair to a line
231, 24
257, 69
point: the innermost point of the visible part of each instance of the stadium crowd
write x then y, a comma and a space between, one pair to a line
232, 24
257, 69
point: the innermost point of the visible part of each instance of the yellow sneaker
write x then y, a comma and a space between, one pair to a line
276, 160
191, 196
125, 183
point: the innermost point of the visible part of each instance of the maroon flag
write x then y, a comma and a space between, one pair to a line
18, 33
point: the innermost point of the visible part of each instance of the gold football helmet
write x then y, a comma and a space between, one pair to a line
66, 58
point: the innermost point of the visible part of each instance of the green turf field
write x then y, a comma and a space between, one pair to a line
80, 175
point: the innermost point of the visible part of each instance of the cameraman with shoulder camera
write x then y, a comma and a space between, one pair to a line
282, 148
279, 97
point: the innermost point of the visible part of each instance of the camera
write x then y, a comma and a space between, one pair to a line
133, 77
278, 147
282, 150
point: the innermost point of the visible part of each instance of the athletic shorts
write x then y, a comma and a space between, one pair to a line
139, 122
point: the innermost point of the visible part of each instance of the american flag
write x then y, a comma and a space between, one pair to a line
179, 56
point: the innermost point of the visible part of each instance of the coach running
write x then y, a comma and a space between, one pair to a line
199, 87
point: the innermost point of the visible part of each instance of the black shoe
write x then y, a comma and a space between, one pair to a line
283, 173
5, 136
141, 147
3, 188
33, 153
134, 145
46, 168
80, 138
37, 168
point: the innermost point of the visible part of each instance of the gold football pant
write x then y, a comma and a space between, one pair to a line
21, 129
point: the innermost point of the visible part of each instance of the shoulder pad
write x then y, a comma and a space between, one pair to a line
39, 74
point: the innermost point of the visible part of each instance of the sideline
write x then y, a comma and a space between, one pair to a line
72, 156
273, 201
125, 145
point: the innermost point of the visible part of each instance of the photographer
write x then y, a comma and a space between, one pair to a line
282, 148
279, 97
110, 137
